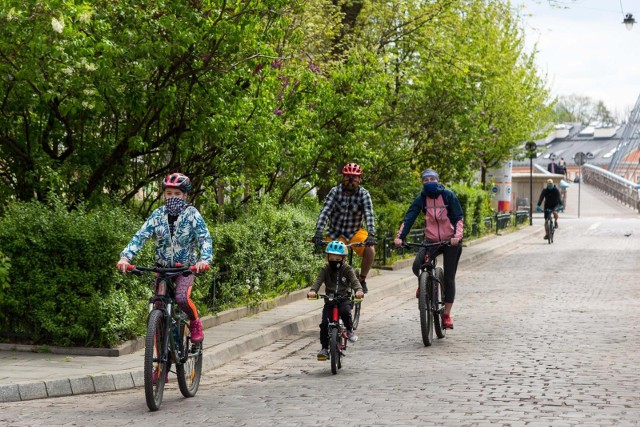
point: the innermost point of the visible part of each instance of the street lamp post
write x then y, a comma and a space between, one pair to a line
532, 148
580, 158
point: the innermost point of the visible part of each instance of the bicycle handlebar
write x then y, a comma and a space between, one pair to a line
171, 271
318, 296
427, 245
325, 243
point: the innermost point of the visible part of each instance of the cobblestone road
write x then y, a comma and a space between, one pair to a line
545, 335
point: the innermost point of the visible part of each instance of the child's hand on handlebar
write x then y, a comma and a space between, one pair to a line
454, 241
359, 294
397, 242
123, 265
311, 294
201, 266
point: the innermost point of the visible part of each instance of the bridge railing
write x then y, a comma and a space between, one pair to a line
617, 187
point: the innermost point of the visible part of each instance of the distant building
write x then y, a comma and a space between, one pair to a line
598, 142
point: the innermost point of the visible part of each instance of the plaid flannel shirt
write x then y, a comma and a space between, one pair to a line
344, 213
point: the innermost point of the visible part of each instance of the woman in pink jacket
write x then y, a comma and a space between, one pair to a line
444, 221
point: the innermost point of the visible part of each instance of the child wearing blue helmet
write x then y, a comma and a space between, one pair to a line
336, 267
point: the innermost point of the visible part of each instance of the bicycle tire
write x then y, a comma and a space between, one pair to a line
548, 228
424, 305
334, 351
356, 315
438, 303
153, 352
190, 371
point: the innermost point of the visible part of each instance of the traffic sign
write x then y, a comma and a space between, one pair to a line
580, 158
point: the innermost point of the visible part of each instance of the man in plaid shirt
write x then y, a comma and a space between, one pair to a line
344, 207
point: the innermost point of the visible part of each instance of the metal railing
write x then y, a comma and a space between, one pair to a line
617, 187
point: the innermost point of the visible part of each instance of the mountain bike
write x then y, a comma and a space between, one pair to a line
168, 339
338, 338
357, 303
430, 292
549, 227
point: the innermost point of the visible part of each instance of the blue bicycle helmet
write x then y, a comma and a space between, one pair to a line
336, 248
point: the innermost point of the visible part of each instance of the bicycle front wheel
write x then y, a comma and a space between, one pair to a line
438, 302
190, 371
155, 369
424, 305
548, 228
334, 351
356, 315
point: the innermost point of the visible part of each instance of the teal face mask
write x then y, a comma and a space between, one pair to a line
549, 187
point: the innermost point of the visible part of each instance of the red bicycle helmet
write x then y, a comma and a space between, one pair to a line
352, 169
177, 180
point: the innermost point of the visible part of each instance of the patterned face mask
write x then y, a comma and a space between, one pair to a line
175, 205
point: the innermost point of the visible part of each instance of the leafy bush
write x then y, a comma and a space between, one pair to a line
5, 265
63, 288
475, 206
264, 253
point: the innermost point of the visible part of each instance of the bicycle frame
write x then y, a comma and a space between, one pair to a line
430, 268
174, 320
336, 322
549, 224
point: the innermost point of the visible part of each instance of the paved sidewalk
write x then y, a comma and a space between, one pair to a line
27, 375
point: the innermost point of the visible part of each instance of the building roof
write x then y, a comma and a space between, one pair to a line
565, 140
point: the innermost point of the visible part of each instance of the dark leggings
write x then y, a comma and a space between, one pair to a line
345, 313
451, 256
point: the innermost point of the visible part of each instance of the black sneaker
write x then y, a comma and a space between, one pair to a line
364, 287
555, 225
546, 237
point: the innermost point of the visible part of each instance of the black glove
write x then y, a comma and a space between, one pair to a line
371, 240
318, 239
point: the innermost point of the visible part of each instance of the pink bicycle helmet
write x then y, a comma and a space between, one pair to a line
177, 180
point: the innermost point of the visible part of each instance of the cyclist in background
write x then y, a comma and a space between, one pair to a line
180, 231
336, 253
552, 200
344, 208
443, 221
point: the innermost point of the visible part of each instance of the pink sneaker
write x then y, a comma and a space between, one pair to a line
447, 323
196, 331
155, 376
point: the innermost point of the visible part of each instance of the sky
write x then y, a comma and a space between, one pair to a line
584, 49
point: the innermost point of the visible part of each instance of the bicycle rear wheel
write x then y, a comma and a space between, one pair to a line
424, 305
155, 369
334, 351
356, 315
190, 371
438, 303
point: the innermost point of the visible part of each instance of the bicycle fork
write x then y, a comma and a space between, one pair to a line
336, 323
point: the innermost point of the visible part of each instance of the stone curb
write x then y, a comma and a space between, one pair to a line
213, 358
220, 354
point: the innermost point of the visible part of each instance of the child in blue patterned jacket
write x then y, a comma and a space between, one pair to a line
180, 231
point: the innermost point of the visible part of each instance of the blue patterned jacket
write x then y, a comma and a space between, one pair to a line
190, 234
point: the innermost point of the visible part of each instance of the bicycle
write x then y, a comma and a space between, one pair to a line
162, 348
357, 303
549, 226
338, 338
430, 292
